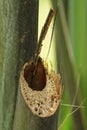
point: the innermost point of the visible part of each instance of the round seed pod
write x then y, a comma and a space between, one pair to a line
44, 101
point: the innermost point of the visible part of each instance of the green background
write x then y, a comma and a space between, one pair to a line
72, 20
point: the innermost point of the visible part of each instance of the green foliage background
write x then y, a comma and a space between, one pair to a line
71, 30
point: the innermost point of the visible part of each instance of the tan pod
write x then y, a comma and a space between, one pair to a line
43, 103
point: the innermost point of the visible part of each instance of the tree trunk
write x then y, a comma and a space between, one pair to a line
18, 38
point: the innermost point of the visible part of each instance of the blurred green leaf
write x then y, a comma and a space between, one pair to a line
69, 58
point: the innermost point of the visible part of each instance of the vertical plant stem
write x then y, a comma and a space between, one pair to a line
18, 38
24, 118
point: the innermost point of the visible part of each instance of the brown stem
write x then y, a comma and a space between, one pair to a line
44, 32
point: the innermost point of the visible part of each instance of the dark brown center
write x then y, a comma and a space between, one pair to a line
35, 75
